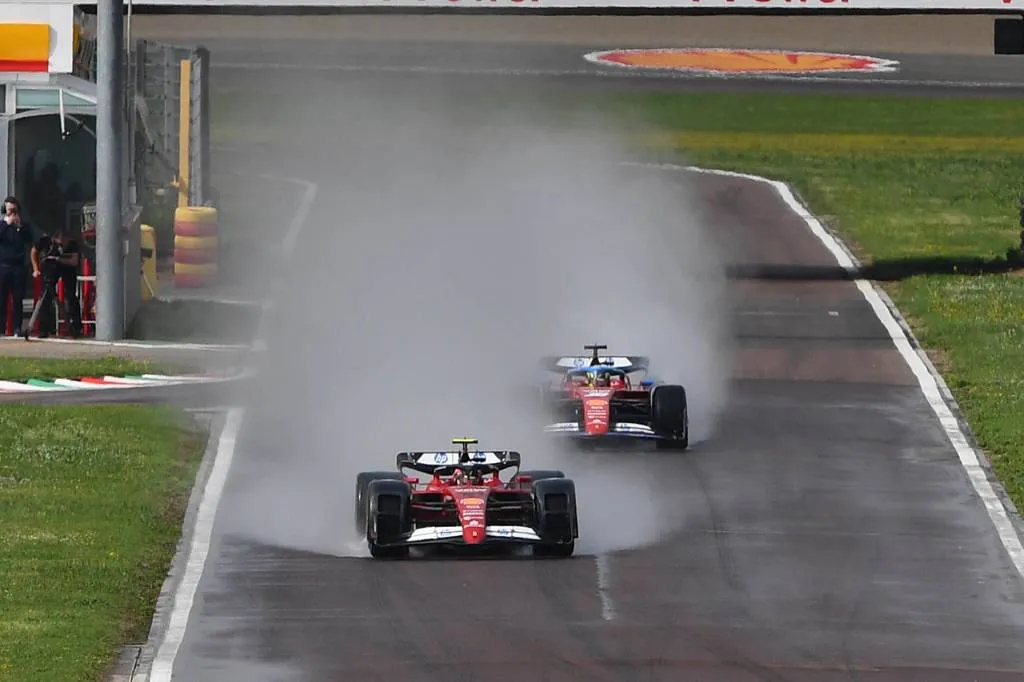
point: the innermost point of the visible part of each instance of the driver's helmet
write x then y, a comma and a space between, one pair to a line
475, 477
602, 379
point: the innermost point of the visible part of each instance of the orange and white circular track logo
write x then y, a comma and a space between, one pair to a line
730, 61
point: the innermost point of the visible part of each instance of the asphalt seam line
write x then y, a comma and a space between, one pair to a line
1000, 508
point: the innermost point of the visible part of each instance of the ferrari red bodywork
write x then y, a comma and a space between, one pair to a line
597, 400
463, 501
454, 501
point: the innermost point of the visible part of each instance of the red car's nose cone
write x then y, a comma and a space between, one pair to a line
473, 534
473, 514
596, 413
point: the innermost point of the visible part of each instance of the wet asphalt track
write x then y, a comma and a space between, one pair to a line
831, 533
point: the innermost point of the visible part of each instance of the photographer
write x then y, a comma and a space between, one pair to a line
15, 237
56, 259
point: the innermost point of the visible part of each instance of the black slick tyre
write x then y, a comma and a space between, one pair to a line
670, 417
363, 481
388, 518
555, 517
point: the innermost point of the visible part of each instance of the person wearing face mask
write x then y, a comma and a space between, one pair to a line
15, 238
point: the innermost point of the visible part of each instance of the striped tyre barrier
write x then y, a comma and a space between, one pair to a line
195, 243
193, 281
194, 257
196, 221
196, 246
195, 274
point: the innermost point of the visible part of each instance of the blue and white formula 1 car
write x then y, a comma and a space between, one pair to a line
597, 399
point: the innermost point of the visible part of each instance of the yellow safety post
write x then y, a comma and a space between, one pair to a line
147, 244
184, 127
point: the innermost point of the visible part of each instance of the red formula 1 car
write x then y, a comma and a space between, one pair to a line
464, 502
597, 398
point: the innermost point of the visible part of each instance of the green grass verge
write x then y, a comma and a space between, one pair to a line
925, 191
91, 503
924, 188
16, 368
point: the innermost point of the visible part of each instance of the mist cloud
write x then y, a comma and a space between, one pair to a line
444, 256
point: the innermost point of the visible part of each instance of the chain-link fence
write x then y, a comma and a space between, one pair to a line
153, 100
155, 75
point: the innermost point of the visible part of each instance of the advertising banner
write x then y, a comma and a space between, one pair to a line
978, 6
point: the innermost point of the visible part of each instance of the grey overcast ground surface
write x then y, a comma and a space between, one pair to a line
830, 533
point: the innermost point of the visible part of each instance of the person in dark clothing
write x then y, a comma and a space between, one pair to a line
15, 238
55, 259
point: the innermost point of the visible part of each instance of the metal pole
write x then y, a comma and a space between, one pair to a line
128, 26
110, 303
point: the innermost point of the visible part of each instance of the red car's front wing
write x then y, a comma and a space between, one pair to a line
452, 535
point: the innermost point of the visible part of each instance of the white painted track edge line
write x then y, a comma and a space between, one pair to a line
291, 236
604, 587
170, 639
999, 507
195, 565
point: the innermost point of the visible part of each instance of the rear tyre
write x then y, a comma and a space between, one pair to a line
363, 481
556, 520
670, 417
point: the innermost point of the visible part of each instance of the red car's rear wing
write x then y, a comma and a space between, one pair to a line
447, 462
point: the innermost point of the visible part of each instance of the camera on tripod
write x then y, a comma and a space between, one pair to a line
51, 260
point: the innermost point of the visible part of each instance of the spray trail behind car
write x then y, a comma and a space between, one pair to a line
444, 262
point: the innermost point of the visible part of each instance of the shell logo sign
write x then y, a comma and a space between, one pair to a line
25, 47
39, 37
724, 61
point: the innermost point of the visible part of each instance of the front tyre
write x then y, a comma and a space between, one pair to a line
670, 417
363, 481
388, 518
556, 520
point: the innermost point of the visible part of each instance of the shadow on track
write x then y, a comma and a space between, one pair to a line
885, 270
